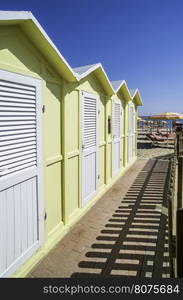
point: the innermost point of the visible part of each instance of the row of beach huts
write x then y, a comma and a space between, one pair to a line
66, 136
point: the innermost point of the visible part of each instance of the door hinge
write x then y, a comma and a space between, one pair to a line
98, 176
98, 111
43, 109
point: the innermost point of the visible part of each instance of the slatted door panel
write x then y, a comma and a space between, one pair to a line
116, 118
90, 122
89, 146
21, 210
17, 209
17, 127
116, 136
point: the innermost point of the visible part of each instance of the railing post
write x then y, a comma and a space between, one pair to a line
177, 145
170, 234
179, 243
180, 182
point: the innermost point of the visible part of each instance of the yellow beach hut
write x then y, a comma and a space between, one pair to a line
122, 96
136, 101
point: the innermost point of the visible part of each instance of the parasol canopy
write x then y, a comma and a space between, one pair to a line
167, 115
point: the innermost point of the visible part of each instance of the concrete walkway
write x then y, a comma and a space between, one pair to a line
123, 234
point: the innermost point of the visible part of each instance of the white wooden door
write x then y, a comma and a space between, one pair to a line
131, 132
116, 141
89, 146
21, 199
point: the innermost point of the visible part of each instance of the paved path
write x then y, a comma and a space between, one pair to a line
123, 234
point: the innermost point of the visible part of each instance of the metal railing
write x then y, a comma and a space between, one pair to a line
176, 207
171, 197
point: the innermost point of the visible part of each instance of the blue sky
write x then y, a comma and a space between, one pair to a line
140, 41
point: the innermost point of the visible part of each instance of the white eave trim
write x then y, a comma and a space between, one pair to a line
136, 91
15, 15
86, 73
92, 69
120, 86
134, 94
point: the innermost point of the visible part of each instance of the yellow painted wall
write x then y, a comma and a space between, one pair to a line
102, 142
109, 142
71, 151
72, 196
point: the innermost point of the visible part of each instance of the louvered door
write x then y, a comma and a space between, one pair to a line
116, 141
21, 208
131, 143
89, 146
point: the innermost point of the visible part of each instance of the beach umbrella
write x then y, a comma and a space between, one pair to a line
167, 115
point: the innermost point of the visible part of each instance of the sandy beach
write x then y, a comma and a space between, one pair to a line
146, 150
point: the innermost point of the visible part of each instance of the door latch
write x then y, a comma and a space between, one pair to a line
43, 109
